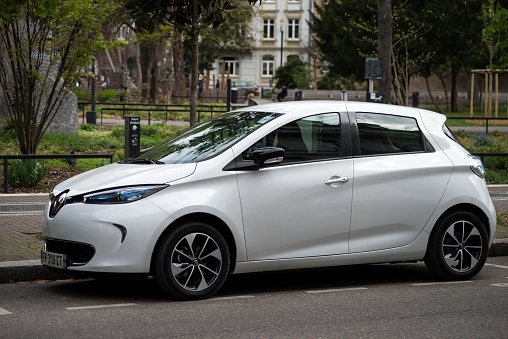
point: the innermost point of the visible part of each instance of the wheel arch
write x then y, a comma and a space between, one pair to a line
207, 218
470, 208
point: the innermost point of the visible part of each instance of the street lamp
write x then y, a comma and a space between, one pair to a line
281, 39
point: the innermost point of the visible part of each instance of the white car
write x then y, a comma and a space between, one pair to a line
280, 186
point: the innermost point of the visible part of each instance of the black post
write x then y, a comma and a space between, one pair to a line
5, 175
132, 136
91, 116
228, 104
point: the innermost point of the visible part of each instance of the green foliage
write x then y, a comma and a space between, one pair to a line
495, 33
82, 94
294, 74
88, 127
107, 95
25, 173
68, 32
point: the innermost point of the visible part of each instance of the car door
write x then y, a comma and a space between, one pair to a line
301, 207
399, 180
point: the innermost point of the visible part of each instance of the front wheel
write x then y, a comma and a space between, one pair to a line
457, 248
192, 262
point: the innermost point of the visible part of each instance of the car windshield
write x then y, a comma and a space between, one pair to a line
205, 140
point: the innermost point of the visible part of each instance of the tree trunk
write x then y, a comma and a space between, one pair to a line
194, 65
145, 61
432, 97
443, 84
179, 70
454, 100
384, 47
158, 84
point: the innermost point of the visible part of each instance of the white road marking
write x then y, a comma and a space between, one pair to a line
98, 306
498, 266
442, 283
4, 311
501, 285
338, 290
23, 204
24, 213
232, 298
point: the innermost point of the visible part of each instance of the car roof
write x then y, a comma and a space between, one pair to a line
302, 108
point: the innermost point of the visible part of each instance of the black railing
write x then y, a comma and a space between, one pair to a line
478, 118
165, 108
50, 156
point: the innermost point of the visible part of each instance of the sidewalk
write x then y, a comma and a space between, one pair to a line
21, 241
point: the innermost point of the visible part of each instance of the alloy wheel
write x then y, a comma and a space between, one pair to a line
196, 261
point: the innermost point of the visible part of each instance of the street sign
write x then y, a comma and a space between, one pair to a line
374, 68
132, 136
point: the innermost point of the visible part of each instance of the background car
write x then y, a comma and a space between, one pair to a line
281, 186
245, 85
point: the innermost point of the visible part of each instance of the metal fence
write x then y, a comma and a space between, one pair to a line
477, 118
166, 109
49, 156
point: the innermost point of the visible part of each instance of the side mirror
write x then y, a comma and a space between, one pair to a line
268, 155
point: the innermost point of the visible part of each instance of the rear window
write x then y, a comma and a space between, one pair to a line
385, 134
450, 134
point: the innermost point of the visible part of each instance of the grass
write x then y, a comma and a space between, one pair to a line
92, 139
496, 167
464, 111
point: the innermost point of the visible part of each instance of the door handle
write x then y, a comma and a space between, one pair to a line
336, 180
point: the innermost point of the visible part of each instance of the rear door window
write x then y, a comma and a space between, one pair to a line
386, 134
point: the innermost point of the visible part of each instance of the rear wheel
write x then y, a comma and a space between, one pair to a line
192, 262
457, 248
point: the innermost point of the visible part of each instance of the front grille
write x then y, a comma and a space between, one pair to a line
78, 254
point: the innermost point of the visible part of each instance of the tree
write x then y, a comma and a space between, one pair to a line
45, 45
456, 42
496, 33
192, 17
294, 74
384, 45
341, 46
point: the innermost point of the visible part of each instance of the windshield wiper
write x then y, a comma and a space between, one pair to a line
144, 161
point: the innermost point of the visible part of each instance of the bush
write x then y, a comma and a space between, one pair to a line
26, 173
107, 95
88, 127
82, 94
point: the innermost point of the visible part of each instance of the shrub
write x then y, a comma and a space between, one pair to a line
26, 173
107, 95
88, 127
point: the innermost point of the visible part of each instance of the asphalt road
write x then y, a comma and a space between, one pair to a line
379, 301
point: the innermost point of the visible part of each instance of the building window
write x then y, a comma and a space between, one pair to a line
293, 28
293, 57
231, 64
293, 0
268, 28
268, 65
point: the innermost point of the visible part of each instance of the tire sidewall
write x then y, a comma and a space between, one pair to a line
435, 250
163, 275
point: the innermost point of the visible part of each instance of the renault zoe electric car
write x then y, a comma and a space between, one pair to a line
280, 186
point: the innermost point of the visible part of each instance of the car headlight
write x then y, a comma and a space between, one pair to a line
476, 166
122, 194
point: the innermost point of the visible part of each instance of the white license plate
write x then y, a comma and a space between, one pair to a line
53, 259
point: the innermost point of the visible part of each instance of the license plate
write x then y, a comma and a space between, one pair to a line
53, 259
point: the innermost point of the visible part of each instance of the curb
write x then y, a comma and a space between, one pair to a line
33, 270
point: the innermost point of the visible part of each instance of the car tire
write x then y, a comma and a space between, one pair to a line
191, 262
457, 248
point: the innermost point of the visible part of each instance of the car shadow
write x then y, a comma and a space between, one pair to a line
110, 290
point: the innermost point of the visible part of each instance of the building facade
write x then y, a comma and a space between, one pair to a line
280, 33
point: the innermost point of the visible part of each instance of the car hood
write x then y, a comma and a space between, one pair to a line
118, 175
